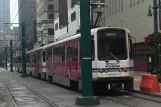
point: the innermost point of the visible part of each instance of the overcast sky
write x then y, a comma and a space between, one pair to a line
14, 10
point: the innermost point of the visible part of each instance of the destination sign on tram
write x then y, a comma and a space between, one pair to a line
112, 33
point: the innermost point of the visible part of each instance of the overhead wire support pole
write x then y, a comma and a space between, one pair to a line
156, 54
23, 42
6, 57
87, 97
11, 56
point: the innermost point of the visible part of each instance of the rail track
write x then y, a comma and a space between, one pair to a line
15, 104
35, 93
131, 95
115, 98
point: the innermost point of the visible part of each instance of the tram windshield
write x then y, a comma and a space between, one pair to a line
112, 45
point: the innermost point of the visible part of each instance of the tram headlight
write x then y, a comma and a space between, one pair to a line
125, 70
101, 70
120, 70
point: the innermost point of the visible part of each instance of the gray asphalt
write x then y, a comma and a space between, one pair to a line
58, 95
21, 95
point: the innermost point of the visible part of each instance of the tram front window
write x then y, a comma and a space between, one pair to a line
112, 45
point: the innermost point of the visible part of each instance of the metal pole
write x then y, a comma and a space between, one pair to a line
11, 56
23, 41
87, 97
91, 17
6, 57
3, 59
156, 56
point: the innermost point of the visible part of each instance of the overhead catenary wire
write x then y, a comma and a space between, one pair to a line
17, 15
18, 10
140, 15
14, 7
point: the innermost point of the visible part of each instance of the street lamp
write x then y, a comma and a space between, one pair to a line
156, 53
149, 12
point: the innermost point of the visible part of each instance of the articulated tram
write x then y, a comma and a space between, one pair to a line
112, 63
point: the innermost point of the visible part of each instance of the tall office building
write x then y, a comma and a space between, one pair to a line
4, 15
27, 14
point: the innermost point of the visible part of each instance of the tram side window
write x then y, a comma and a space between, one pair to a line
75, 52
44, 56
49, 55
54, 54
59, 54
38, 56
130, 47
69, 53
63, 53
72, 52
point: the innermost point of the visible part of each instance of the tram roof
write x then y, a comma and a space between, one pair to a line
78, 35
40, 48
74, 37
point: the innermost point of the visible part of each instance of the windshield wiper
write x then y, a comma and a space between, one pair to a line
106, 59
114, 56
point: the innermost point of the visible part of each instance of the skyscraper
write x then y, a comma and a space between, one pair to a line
4, 15
27, 14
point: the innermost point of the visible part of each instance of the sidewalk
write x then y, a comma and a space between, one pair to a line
138, 80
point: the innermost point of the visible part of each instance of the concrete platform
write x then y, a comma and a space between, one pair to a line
138, 80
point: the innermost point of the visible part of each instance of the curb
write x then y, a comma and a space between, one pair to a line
146, 93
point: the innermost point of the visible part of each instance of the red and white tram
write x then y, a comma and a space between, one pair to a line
112, 63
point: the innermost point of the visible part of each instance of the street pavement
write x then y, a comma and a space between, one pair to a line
60, 96
138, 80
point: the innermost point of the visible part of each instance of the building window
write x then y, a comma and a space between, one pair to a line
50, 31
73, 16
133, 2
122, 5
130, 3
109, 7
115, 6
56, 26
73, 2
140, 54
112, 7
138, 2
50, 16
119, 5
50, 7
